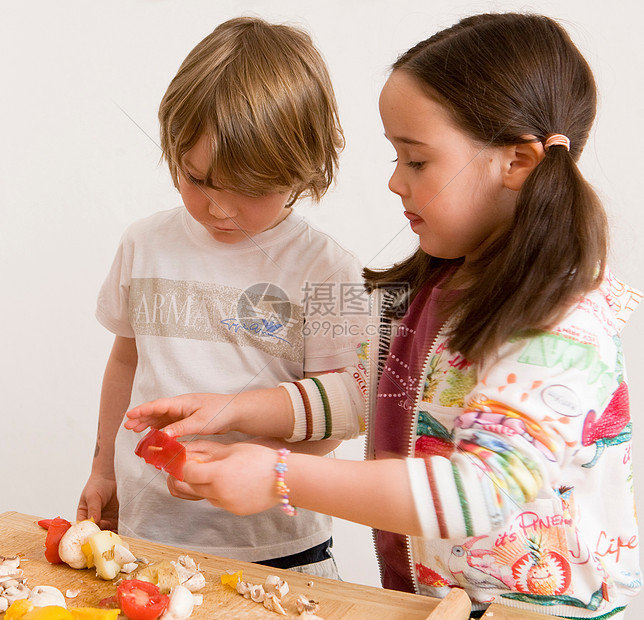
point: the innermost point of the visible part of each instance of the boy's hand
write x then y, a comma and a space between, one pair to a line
98, 501
189, 414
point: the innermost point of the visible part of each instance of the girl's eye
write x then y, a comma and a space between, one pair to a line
415, 165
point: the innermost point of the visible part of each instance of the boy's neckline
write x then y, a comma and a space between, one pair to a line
266, 238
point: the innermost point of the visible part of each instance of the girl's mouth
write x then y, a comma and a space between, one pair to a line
413, 218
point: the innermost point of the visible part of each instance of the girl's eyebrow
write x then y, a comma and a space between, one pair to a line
405, 140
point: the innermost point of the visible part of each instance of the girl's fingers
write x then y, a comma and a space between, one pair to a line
182, 490
204, 447
198, 470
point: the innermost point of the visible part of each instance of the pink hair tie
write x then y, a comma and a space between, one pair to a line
556, 139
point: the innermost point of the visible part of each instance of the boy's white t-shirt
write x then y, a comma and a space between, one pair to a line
221, 318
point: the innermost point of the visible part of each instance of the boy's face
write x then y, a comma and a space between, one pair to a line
227, 216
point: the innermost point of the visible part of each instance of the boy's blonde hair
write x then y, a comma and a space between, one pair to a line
262, 95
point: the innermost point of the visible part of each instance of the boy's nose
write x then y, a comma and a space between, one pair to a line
218, 209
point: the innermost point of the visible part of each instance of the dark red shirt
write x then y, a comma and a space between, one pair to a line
393, 419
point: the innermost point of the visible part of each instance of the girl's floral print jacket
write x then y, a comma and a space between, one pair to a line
521, 467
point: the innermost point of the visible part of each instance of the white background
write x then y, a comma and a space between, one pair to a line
80, 83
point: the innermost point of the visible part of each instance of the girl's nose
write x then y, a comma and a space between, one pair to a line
396, 184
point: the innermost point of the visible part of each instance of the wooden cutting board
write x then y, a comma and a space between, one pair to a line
19, 534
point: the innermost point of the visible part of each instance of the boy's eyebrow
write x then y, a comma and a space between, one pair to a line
186, 163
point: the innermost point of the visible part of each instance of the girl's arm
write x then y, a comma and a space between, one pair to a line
98, 498
241, 478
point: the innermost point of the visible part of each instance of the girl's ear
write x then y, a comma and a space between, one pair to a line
520, 161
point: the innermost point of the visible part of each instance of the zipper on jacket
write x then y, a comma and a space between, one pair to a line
381, 302
410, 444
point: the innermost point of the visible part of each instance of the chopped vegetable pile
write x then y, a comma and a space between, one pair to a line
146, 591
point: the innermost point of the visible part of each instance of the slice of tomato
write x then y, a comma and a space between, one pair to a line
164, 452
55, 531
141, 600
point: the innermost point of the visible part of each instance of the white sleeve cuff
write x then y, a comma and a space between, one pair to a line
299, 425
423, 500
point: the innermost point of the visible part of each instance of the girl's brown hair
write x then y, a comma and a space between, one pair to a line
504, 77
262, 94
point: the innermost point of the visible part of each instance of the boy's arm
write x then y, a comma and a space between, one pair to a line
265, 413
98, 498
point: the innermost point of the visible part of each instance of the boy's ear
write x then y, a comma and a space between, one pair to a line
520, 161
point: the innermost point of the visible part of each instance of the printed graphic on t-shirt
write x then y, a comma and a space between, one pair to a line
261, 316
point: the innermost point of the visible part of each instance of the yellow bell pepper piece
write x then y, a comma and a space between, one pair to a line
94, 613
87, 552
18, 609
49, 612
231, 579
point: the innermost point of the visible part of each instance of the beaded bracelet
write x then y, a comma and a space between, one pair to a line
280, 486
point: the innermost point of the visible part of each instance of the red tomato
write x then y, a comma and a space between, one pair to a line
141, 600
55, 531
164, 452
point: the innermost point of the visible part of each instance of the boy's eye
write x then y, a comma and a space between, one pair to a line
194, 179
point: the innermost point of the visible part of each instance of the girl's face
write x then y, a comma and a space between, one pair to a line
229, 217
451, 187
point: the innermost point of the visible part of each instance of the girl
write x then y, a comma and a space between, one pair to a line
503, 386
213, 293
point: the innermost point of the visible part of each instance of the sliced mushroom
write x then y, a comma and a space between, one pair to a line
42, 596
6, 571
16, 593
305, 605
272, 603
195, 583
128, 568
181, 604
12, 562
243, 587
189, 573
70, 546
123, 555
257, 593
276, 585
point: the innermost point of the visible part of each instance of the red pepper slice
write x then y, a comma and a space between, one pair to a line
164, 452
55, 531
141, 600
45, 523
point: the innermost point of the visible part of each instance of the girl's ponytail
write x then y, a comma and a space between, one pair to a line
554, 253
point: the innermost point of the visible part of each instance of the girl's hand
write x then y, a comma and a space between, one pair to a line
189, 414
239, 477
